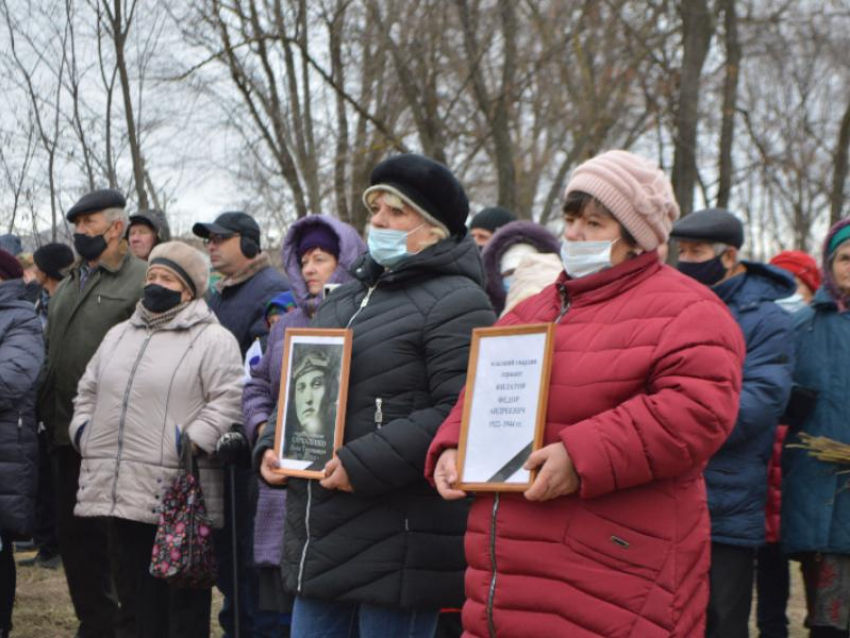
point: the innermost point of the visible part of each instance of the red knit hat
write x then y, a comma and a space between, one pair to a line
800, 265
10, 267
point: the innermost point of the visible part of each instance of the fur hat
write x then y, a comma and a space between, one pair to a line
187, 264
53, 259
635, 190
426, 186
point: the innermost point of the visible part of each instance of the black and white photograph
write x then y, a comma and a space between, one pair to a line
314, 389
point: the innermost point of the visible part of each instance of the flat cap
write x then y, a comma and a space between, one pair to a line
492, 218
95, 202
713, 225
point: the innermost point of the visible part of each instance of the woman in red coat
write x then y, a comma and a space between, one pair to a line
612, 538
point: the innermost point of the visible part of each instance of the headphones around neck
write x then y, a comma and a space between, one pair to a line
249, 247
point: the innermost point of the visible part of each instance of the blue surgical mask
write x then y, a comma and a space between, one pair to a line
792, 304
507, 281
389, 247
583, 258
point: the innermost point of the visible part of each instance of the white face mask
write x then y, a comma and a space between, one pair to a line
583, 258
793, 303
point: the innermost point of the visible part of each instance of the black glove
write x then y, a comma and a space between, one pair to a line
233, 449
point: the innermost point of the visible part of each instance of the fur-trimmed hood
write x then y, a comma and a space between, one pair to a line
521, 232
351, 246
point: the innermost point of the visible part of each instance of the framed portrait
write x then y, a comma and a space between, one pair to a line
313, 395
507, 392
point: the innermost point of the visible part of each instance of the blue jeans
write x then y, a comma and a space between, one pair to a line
322, 619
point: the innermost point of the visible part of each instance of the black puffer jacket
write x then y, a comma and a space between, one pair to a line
21, 356
394, 541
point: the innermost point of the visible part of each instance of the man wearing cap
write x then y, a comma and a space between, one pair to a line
239, 301
147, 229
100, 291
709, 242
249, 281
51, 262
485, 224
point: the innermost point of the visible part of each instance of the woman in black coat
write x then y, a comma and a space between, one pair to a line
373, 545
21, 355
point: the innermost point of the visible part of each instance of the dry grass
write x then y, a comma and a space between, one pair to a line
43, 609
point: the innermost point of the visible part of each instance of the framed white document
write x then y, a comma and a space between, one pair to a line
507, 391
313, 396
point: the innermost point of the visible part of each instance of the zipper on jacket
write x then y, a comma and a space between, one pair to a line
379, 415
123, 420
490, 624
306, 542
566, 302
363, 304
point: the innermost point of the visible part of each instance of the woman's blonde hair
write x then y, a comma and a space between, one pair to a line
436, 231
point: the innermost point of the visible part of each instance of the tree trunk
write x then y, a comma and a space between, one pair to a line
119, 36
839, 172
697, 31
730, 94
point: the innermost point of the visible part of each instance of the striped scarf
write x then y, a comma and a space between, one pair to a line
156, 320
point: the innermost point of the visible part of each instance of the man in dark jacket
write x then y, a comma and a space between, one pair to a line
373, 544
101, 290
249, 281
736, 476
21, 355
239, 301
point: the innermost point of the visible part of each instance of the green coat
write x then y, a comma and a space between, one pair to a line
77, 322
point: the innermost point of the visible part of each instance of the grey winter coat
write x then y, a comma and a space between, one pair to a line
140, 390
21, 356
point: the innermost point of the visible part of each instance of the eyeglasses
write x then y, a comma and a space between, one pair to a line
217, 240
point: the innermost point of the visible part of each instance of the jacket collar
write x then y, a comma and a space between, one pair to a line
760, 283
258, 263
610, 282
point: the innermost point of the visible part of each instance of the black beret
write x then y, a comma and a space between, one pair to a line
52, 259
428, 184
95, 202
713, 225
229, 224
492, 218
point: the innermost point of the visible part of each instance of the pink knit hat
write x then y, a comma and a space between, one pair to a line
634, 189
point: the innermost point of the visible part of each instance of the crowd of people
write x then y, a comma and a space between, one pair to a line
672, 480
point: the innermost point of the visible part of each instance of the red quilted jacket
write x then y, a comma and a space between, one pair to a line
773, 507
645, 381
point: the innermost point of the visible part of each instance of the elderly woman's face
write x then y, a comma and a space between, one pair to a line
309, 394
594, 224
841, 267
402, 218
167, 279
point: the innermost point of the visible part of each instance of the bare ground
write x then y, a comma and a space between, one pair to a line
43, 609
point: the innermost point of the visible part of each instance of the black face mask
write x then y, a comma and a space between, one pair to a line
90, 248
159, 298
706, 272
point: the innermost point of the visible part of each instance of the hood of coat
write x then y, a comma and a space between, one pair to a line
351, 246
196, 312
760, 283
521, 232
12, 293
448, 257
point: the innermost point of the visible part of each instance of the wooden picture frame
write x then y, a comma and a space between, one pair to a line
504, 413
312, 400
